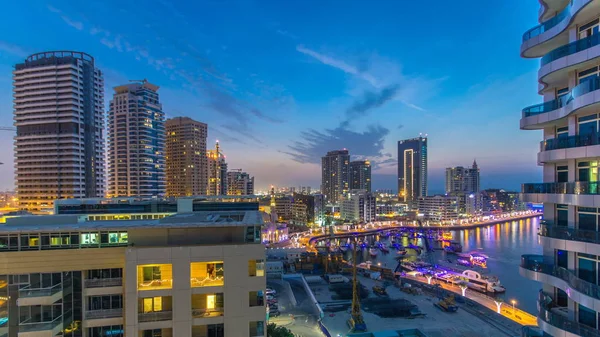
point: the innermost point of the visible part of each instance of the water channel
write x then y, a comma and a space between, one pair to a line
504, 243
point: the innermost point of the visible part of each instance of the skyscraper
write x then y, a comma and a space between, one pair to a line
136, 142
567, 42
186, 159
360, 175
334, 174
59, 115
412, 169
217, 172
239, 183
462, 180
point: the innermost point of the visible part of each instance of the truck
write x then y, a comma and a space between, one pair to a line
335, 278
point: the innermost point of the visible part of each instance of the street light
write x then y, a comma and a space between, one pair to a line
513, 303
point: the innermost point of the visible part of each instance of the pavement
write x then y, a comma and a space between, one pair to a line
301, 318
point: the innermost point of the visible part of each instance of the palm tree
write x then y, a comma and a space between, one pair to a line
278, 331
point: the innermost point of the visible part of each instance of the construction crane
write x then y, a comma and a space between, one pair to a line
356, 321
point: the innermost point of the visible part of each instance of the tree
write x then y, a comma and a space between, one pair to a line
278, 331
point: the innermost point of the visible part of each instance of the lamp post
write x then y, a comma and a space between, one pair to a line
498, 304
513, 303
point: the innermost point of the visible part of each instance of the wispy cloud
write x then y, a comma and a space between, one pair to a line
69, 21
13, 49
369, 101
286, 33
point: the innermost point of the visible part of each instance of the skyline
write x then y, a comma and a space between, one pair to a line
266, 86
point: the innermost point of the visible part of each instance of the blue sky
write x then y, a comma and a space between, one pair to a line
281, 82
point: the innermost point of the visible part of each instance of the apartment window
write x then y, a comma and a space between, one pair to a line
256, 268
155, 304
587, 218
562, 258
587, 75
588, 125
587, 267
157, 333
562, 174
30, 242
105, 273
587, 171
589, 29
210, 330
207, 305
89, 239
562, 132
206, 274
562, 215
586, 316
105, 302
256, 298
257, 328
106, 331
156, 276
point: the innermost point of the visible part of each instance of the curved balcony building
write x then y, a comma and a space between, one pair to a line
567, 41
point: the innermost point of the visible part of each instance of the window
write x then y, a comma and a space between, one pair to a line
588, 125
106, 331
151, 304
256, 268
587, 267
562, 174
562, 132
210, 330
562, 215
587, 218
207, 274
587, 171
207, 305
587, 316
157, 276
105, 302
256, 298
587, 75
157, 333
562, 258
89, 239
257, 328
589, 29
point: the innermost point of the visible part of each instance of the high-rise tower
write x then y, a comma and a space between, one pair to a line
59, 115
334, 175
567, 40
136, 142
217, 172
186, 159
412, 170
360, 175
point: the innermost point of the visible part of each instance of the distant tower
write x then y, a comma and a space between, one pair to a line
217, 172
412, 170
273, 205
335, 175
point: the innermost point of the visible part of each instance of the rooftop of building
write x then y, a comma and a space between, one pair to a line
61, 223
134, 86
134, 200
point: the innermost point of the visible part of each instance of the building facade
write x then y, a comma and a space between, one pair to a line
189, 274
217, 172
186, 159
412, 170
359, 205
239, 183
566, 40
59, 116
335, 168
440, 207
462, 180
136, 142
360, 175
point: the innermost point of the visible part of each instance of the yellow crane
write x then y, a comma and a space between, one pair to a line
356, 321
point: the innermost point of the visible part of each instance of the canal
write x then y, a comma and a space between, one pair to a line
504, 243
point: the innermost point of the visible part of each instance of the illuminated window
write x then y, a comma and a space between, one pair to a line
89, 239
207, 305
256, 268
207, 274
155, 276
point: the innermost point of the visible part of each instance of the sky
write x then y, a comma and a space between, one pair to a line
280, 83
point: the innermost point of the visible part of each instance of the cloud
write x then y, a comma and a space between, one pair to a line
69, 21
400, 126
286, 34
315, 144
13, 49
261, 115
370, 100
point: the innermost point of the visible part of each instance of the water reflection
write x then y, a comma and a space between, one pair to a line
504, 244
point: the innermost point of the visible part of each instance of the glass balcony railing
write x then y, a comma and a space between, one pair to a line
550, 230
27, 291
104, 282
40, 326
580, 90
571, 48
205, 312
155, 316
569, 142
106, 313
560, 320
548, 24
576, 187
536, 263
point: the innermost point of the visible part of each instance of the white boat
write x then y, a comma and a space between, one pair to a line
373, 252
485, 283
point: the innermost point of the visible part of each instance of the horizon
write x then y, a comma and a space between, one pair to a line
279, 92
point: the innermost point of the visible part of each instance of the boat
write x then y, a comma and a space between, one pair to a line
383, 248
485, 283
373, 252
472, 259
401, 251
453, 248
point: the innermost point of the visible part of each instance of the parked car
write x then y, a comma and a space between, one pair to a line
272, 301
270, 297
271, 292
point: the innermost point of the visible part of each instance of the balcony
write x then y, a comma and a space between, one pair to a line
207, 305
566, 278
35, 329
548, 24
569, 142
576, 187
104, 282
39, 296
155, 316
566, 233
100, 314
578, 91
554, 322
